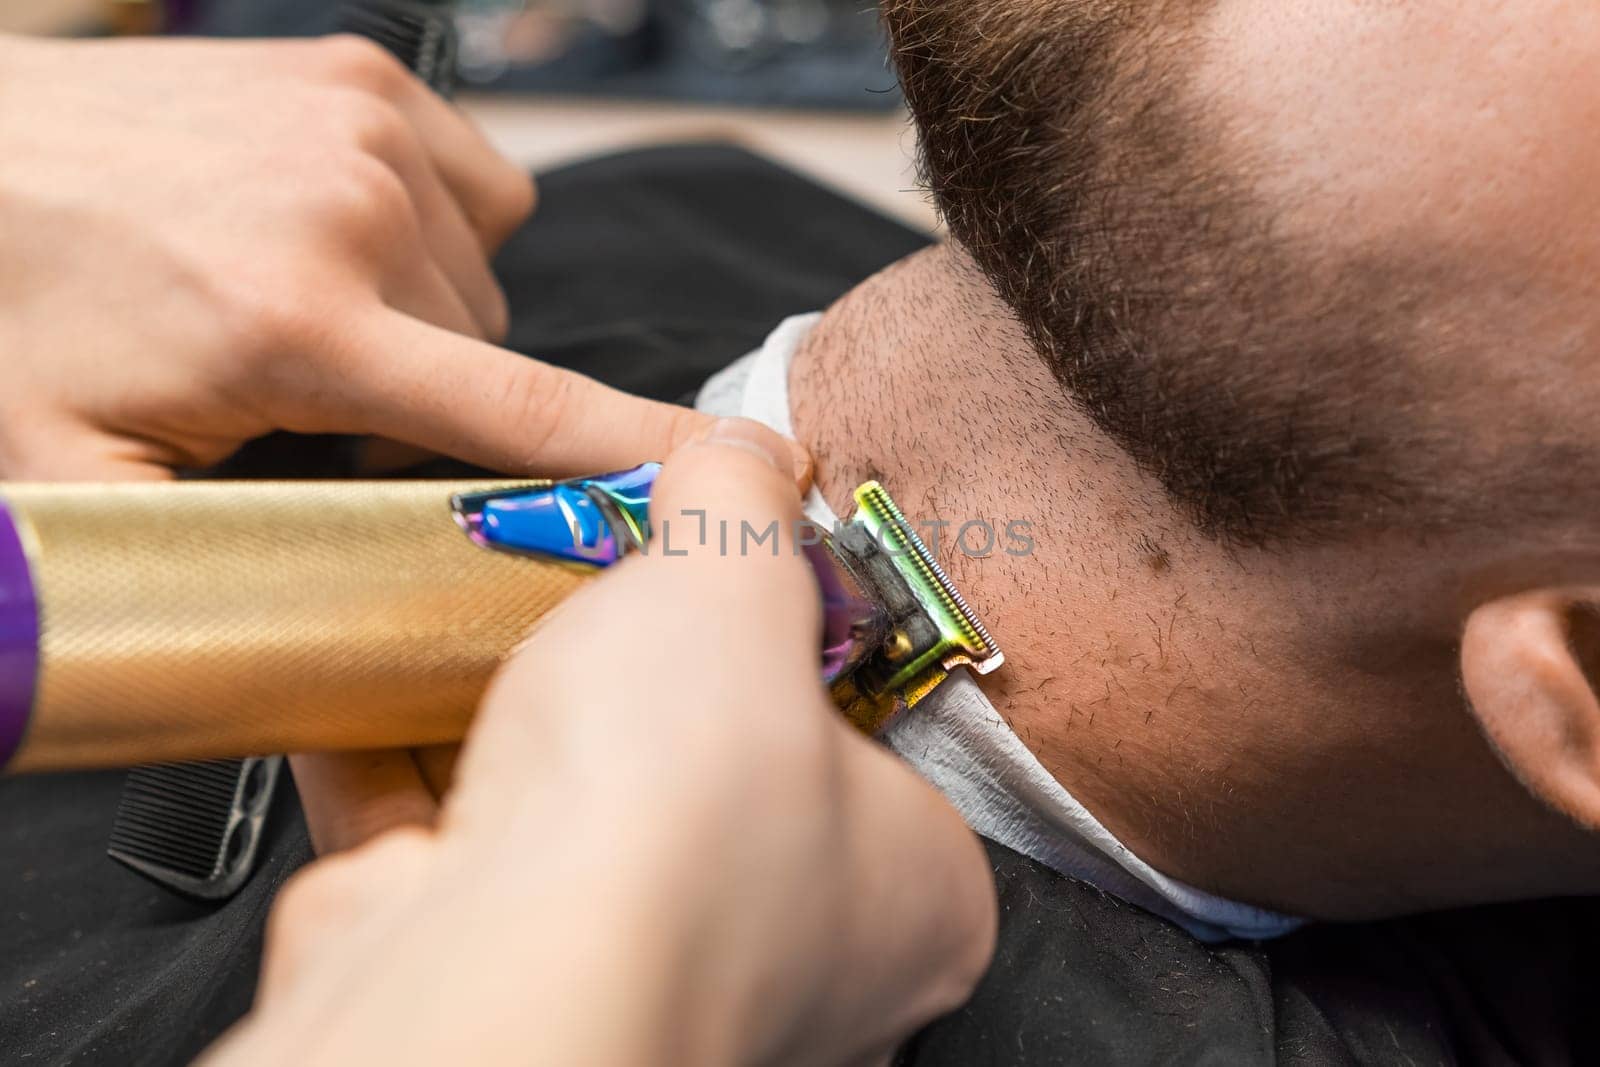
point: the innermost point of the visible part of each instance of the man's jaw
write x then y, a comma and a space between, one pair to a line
1222, 714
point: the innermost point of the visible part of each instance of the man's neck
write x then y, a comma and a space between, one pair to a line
1176, 689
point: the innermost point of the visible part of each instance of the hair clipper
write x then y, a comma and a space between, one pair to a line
212, 620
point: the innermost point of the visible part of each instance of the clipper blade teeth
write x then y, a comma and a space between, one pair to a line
890, 524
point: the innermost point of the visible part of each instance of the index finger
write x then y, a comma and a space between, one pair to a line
413, 382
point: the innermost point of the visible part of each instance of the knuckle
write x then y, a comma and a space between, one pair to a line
252, 319
502, 201
281, 341
371, 124
366, 200
363, 64
262, 318
540, 401
517, 197
497, 314
377, 192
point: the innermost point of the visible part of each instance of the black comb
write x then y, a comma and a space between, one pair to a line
195, 827
421, 35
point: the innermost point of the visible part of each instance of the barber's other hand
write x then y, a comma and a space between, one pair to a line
664, 845
203, 241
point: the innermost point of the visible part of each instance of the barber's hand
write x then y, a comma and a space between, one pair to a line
201, 242
664, 845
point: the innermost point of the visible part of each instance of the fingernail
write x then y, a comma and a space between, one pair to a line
804, 469
754, 438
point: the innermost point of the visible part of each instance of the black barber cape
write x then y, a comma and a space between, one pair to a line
651, 271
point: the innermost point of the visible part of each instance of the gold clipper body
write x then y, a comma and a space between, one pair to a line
219, 619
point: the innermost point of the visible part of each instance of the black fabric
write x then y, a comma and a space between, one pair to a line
1082, 978
652, 270
98, 965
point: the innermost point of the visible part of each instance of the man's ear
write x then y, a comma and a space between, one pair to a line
1523, 662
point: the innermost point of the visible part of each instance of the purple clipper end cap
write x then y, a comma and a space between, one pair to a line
19, 639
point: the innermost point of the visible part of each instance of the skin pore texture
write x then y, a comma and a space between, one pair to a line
1396, 716
1283, 729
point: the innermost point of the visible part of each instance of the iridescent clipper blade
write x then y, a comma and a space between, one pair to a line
593, 521
894, 624
932, 630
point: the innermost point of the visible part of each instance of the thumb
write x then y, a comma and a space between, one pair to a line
465, 398
727, 501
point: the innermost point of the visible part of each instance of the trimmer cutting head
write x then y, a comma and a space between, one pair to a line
932, 630
895, 624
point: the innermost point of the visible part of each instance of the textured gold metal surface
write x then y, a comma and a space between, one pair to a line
225, 618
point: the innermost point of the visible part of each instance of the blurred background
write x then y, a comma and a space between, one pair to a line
804, 82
